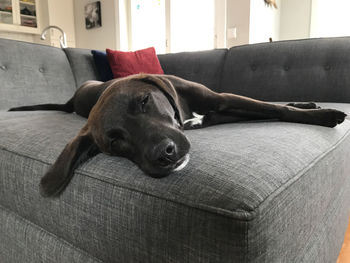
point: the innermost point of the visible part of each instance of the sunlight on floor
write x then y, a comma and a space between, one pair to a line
344, 256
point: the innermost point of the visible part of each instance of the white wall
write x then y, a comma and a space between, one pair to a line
295, 19
44, 22
18, 36
102, 37
220, 23
61, 14
264, 22
57, 13
124, 24
238, 17
253, 20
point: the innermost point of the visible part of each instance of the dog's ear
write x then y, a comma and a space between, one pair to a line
77, 151
168, 90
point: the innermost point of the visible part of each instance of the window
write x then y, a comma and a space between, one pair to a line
172, 25
148, 24
191, 25
330, 20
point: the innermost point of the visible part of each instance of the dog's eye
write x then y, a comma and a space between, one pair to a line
144, 102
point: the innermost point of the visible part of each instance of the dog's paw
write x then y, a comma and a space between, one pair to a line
304, 105
331, 118
194, 123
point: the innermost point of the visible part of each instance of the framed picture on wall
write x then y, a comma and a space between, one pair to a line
93, 15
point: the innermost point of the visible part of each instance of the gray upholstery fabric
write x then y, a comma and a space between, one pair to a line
240, 199
26, 243
82, 64
300, 70
32, 74
204, 66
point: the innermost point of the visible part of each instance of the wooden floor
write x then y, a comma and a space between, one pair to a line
344, 256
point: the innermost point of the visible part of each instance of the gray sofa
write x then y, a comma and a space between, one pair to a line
252, 192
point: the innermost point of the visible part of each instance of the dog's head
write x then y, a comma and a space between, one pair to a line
138, 118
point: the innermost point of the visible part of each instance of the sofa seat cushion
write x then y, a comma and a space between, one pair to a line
224, 202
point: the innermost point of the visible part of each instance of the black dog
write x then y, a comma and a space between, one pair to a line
142, 118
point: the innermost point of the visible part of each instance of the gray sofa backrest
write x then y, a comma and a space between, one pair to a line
300, 70
82, 64
204, 67
32, 74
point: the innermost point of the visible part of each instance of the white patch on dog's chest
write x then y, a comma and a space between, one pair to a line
197, 120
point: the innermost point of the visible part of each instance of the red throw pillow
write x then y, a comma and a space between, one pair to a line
128, 63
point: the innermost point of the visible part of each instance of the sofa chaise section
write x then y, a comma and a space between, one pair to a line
252, 192
240, 199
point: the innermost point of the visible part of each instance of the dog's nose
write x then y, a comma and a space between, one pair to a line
165, 152
170, 149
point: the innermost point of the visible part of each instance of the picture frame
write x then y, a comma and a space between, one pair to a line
92, 13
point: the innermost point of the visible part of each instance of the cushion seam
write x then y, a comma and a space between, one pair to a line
51, 234
222, 71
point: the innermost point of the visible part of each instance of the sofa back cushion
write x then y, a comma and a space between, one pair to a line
204, 67
300, 70
33, 74
83, 65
